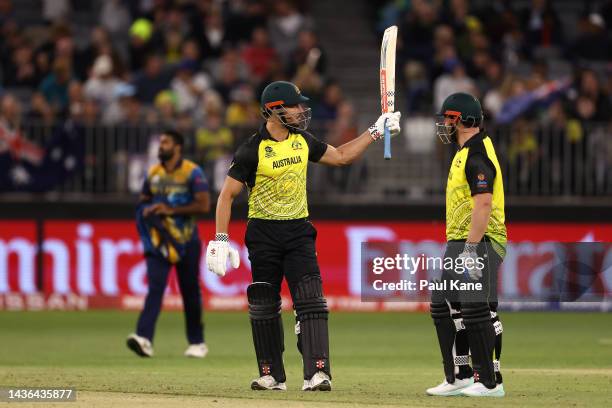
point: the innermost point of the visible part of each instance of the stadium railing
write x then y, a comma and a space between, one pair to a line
567, 162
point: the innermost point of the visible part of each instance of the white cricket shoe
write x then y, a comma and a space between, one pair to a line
479, 390
319, 382
140, 345
267, 382
447, 390
197, 350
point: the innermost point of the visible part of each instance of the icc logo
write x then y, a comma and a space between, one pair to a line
269, 152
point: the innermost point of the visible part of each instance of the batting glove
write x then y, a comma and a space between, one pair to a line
217, 253
377, 130
469, 259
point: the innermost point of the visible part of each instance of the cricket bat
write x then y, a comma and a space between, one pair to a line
387, 80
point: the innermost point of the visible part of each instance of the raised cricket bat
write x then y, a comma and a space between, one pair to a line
387, 80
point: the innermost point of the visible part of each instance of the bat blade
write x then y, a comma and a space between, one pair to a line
387, 80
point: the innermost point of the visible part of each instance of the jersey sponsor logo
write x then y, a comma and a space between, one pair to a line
286, 162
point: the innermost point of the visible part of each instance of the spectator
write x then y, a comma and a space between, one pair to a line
40, 111
166, 115
152, 80
10, 112
592, 103
101, 86
212, 36
22, 73
173, 40
259, 54
541, 26
125, 110
190, 50
229, 73
417, 31
284, 27
327, 110
76, 97
6, 11
241, 23
308, 52
418, 95
455, 80
189, 85
593, 41
115, 18
140, 47
214, 143
55, 86
214, 140
53, 10
243, 110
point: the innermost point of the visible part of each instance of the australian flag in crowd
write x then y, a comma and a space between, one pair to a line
30, 167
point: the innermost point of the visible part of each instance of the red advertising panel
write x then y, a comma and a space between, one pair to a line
100, 263
18, 248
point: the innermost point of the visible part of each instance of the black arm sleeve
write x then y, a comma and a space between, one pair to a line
316, 148
480, 173
244, 165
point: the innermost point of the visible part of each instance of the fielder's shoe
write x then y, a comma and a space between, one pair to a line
140, 345
479, 390
267, 382
447, 390
319, 382
197, 350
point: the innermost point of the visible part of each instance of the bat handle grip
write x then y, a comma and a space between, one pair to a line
387, 139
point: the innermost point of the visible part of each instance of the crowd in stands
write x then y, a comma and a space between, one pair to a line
197, 66
534, 64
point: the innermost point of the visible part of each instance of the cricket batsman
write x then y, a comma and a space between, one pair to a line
280, 240
476, 235
173, 193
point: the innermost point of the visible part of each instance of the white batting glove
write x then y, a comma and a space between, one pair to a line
217, 254
469, 257
377, 130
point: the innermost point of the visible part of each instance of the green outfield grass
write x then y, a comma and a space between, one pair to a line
548, 359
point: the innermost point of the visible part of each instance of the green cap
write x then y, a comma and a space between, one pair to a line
465, 105
281, 93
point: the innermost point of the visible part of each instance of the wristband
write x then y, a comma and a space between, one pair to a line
221, 236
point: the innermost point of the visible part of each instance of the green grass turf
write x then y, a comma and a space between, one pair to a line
548, 359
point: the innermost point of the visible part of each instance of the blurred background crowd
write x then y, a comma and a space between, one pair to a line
74, 73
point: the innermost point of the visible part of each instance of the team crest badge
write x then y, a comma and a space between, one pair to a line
296, 145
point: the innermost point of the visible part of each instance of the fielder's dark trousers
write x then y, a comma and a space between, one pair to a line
187, 271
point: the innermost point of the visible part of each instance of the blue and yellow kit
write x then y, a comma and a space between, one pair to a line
176, 188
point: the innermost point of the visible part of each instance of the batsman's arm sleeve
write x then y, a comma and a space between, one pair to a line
244, 164
480, 173
316, 148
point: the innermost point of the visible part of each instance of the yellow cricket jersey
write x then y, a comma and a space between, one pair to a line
475, 170
275, 173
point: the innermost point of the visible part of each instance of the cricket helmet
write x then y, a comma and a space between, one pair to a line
458, 107
280, 94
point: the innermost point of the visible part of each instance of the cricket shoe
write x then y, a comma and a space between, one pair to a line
140, 345
267, 382
319, 382
479, 390
447, 390
197, 350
